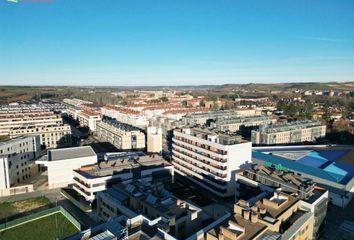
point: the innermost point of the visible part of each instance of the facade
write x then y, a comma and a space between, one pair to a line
295, 132
279, 216
88, 119
178, 218
118, 167
61, 163
121, 135
10, 121
202, 118
210, 158
16, 161
235, 123
125, 115
50, 136
329, 167
254, 183
154, 140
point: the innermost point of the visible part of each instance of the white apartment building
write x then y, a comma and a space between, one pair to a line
121, 135
89, 119
294, 132
210, 158
50, 136
154, 140
37, 119
61, 163
118, 167
16, 161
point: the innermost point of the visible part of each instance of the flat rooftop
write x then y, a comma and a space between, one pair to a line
333, 163
70, 153
13, 140
115, 163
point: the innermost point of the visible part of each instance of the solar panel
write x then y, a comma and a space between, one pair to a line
129, 188
151, 199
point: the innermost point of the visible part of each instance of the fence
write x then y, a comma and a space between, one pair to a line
34, 216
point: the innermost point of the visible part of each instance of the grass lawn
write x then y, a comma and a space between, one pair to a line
52, 227
8, 209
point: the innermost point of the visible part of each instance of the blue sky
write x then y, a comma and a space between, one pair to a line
175, 42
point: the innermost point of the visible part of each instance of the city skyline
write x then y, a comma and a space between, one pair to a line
116, 43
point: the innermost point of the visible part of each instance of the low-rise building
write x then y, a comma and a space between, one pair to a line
121, 135
118, 167
16, 161
279, 216
61, 163
294, 132
178, 218
256, 182
210, 158
50, 136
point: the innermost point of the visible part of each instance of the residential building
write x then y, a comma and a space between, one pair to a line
50, 136
194, 119
89, 119
279, 216
178, 218
330, 167
125, 115
60, 164
16, 161
119, 167
167, 125
256, 182
154, 140
210, 158
234, 124
294, 132
75, 102
121, 135
10, 121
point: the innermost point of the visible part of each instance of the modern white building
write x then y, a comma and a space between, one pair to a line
89, 119
210, 158
61, 163
16, 161
118, 167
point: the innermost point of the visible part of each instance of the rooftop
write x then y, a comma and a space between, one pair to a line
251, 222
209, 134
70, 153
115, 163
333, 163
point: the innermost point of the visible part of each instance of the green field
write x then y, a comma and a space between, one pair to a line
8, 209
52, 227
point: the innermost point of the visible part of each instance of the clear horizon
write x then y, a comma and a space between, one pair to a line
175, 43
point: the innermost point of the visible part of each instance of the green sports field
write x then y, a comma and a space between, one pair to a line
51, 227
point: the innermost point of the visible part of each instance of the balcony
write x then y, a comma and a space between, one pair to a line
199, 150
206, 164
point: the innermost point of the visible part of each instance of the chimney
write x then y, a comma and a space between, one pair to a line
254, 217
262, 210
246, 214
